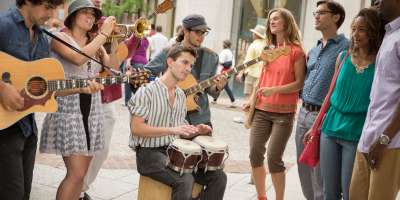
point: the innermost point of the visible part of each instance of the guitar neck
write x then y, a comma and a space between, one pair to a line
56, 85
210, 82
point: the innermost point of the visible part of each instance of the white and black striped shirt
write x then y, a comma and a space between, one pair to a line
151, 103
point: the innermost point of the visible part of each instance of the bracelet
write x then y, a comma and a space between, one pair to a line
101, 32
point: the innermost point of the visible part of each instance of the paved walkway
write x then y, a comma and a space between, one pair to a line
118, 179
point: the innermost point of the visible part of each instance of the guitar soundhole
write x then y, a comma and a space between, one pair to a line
37, 86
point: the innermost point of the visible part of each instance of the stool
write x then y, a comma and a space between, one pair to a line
150, 189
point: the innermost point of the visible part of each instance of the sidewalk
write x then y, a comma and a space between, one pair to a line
122, 184
118, 179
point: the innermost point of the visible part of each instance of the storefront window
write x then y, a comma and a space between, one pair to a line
254, 12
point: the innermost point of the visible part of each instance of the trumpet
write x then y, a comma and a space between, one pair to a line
124, 31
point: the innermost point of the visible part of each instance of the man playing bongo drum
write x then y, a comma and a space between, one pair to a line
158, 117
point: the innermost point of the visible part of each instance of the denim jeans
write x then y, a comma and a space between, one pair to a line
310, 178
229, 92
336, 160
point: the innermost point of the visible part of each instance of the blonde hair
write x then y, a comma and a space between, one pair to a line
292, 31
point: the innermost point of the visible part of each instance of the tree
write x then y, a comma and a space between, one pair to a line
118, 7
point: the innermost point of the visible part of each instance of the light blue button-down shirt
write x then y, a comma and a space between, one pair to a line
320, 68
15, 40
385, 92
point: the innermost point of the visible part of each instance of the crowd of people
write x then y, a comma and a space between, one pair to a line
355, 78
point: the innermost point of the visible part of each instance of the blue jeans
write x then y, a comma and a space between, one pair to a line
310, 178
336, 161
229, 92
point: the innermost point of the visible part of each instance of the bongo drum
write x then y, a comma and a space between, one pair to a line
214, 152
184, 156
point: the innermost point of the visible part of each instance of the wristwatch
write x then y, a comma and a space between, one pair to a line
384, 139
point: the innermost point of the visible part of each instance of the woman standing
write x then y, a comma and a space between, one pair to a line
276, 101
75, 130
349, 102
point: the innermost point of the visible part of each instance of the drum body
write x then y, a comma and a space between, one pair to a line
184, 155
215, 152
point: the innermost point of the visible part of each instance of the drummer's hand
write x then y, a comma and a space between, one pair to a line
204, 129
185, 130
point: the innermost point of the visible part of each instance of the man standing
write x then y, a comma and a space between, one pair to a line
329, 16
376, 173
18, 142
194, 31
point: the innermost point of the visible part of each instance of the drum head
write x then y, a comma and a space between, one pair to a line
211, 144
187, 146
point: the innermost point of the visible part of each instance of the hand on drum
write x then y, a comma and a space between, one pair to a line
204, 129
185, 130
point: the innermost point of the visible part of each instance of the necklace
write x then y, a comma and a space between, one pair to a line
360, 69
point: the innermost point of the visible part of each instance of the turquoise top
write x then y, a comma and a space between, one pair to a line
349, 102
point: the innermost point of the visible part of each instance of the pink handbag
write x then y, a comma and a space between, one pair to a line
310, 154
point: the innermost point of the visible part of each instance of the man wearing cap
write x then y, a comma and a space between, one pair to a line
194, 30
329, 16
18, 142
252, 73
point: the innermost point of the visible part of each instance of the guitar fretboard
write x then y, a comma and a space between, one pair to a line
210, 82
55, 85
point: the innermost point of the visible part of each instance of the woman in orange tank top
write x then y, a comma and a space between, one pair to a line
276, 100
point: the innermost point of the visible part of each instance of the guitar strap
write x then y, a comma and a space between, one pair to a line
115, 72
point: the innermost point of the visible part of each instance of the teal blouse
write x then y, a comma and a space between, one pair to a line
349, 102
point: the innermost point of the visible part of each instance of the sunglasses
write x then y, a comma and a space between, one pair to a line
200, 32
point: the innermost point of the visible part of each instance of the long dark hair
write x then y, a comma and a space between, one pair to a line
375, 29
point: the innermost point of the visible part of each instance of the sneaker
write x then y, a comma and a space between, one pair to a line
239, 120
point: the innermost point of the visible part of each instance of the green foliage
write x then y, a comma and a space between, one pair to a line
118, 7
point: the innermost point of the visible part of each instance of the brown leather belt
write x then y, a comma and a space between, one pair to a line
311, 107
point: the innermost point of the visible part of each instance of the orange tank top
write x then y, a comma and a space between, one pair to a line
276, 73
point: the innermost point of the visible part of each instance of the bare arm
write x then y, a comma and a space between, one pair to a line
111, 59
90, 49
140, 128
299, 70
92, 88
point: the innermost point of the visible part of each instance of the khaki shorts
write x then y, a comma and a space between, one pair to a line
250, 82
275, 127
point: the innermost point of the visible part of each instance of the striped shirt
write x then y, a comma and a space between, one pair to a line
151, 103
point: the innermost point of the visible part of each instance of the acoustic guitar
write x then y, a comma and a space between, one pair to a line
38, 80
250, 114
191, 87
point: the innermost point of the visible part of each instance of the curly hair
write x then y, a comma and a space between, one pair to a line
375, 29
